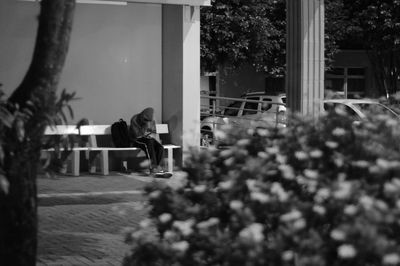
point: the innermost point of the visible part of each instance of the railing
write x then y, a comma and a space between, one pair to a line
218, 111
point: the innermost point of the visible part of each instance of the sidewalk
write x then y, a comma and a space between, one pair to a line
82, 219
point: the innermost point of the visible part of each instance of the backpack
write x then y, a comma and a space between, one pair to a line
120, 134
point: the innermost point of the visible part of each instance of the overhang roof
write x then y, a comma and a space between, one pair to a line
175, 2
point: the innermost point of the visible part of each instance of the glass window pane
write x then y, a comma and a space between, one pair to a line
356, 71
336, 85
265, 105
336, 71
250, 108
356, 88
233, 109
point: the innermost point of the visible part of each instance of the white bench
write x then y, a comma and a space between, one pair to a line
102, 152
74, 157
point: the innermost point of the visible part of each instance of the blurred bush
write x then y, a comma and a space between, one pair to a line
313, 193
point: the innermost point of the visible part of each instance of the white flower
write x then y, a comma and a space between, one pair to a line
291, 216
253, 232
185, 227
236, 205
226, 153
178, 180
219, 134
225, 185
262, 155
360, 164
180, 246
288, 255
287, 171
391, 188
346, 251
350, 210
230, 161
208, 223
312, 174
316, 154
145, 223
385, 164
170, 235
251, 184
200, 188
278, 190
322, 194
262, 132
260, 197
155, 194
243, 142
165, 217
366, 201
343, 191
319, 209
338, 132
338, 235
301, 155
331, 144
282, 159
272, 150
381, 205
391, 259
299, 224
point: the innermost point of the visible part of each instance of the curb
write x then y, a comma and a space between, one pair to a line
109, 197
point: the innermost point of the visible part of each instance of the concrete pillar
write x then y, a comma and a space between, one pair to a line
305, 56
181, 75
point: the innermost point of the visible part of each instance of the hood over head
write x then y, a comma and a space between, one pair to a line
147, 114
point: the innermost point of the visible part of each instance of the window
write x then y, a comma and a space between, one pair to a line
250, 108
346, 82
233, 109
265, 105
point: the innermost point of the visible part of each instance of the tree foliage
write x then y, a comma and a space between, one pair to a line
377, 24
243, 31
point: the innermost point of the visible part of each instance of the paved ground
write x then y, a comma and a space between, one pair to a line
82, 220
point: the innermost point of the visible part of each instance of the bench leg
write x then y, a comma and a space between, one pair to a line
104, 162
170, 160
102, 156
75, 160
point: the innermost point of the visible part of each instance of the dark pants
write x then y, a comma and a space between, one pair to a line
153, 149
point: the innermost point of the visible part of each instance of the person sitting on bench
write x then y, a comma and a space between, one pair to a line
141, 132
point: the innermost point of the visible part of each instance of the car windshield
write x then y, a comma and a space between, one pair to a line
375, 108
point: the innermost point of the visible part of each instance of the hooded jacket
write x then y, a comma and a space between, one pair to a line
142, 124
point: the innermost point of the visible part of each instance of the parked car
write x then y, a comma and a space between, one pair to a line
255, 109
359, 108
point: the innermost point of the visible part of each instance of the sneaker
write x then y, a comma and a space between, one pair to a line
162, 174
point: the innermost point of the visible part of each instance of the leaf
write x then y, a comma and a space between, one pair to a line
4, 184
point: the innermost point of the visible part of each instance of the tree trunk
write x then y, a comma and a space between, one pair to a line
18, 208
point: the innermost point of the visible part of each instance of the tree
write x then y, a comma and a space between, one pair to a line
234, 32
24, 116
377, 24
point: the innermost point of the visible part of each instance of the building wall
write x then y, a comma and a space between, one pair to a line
114, 61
